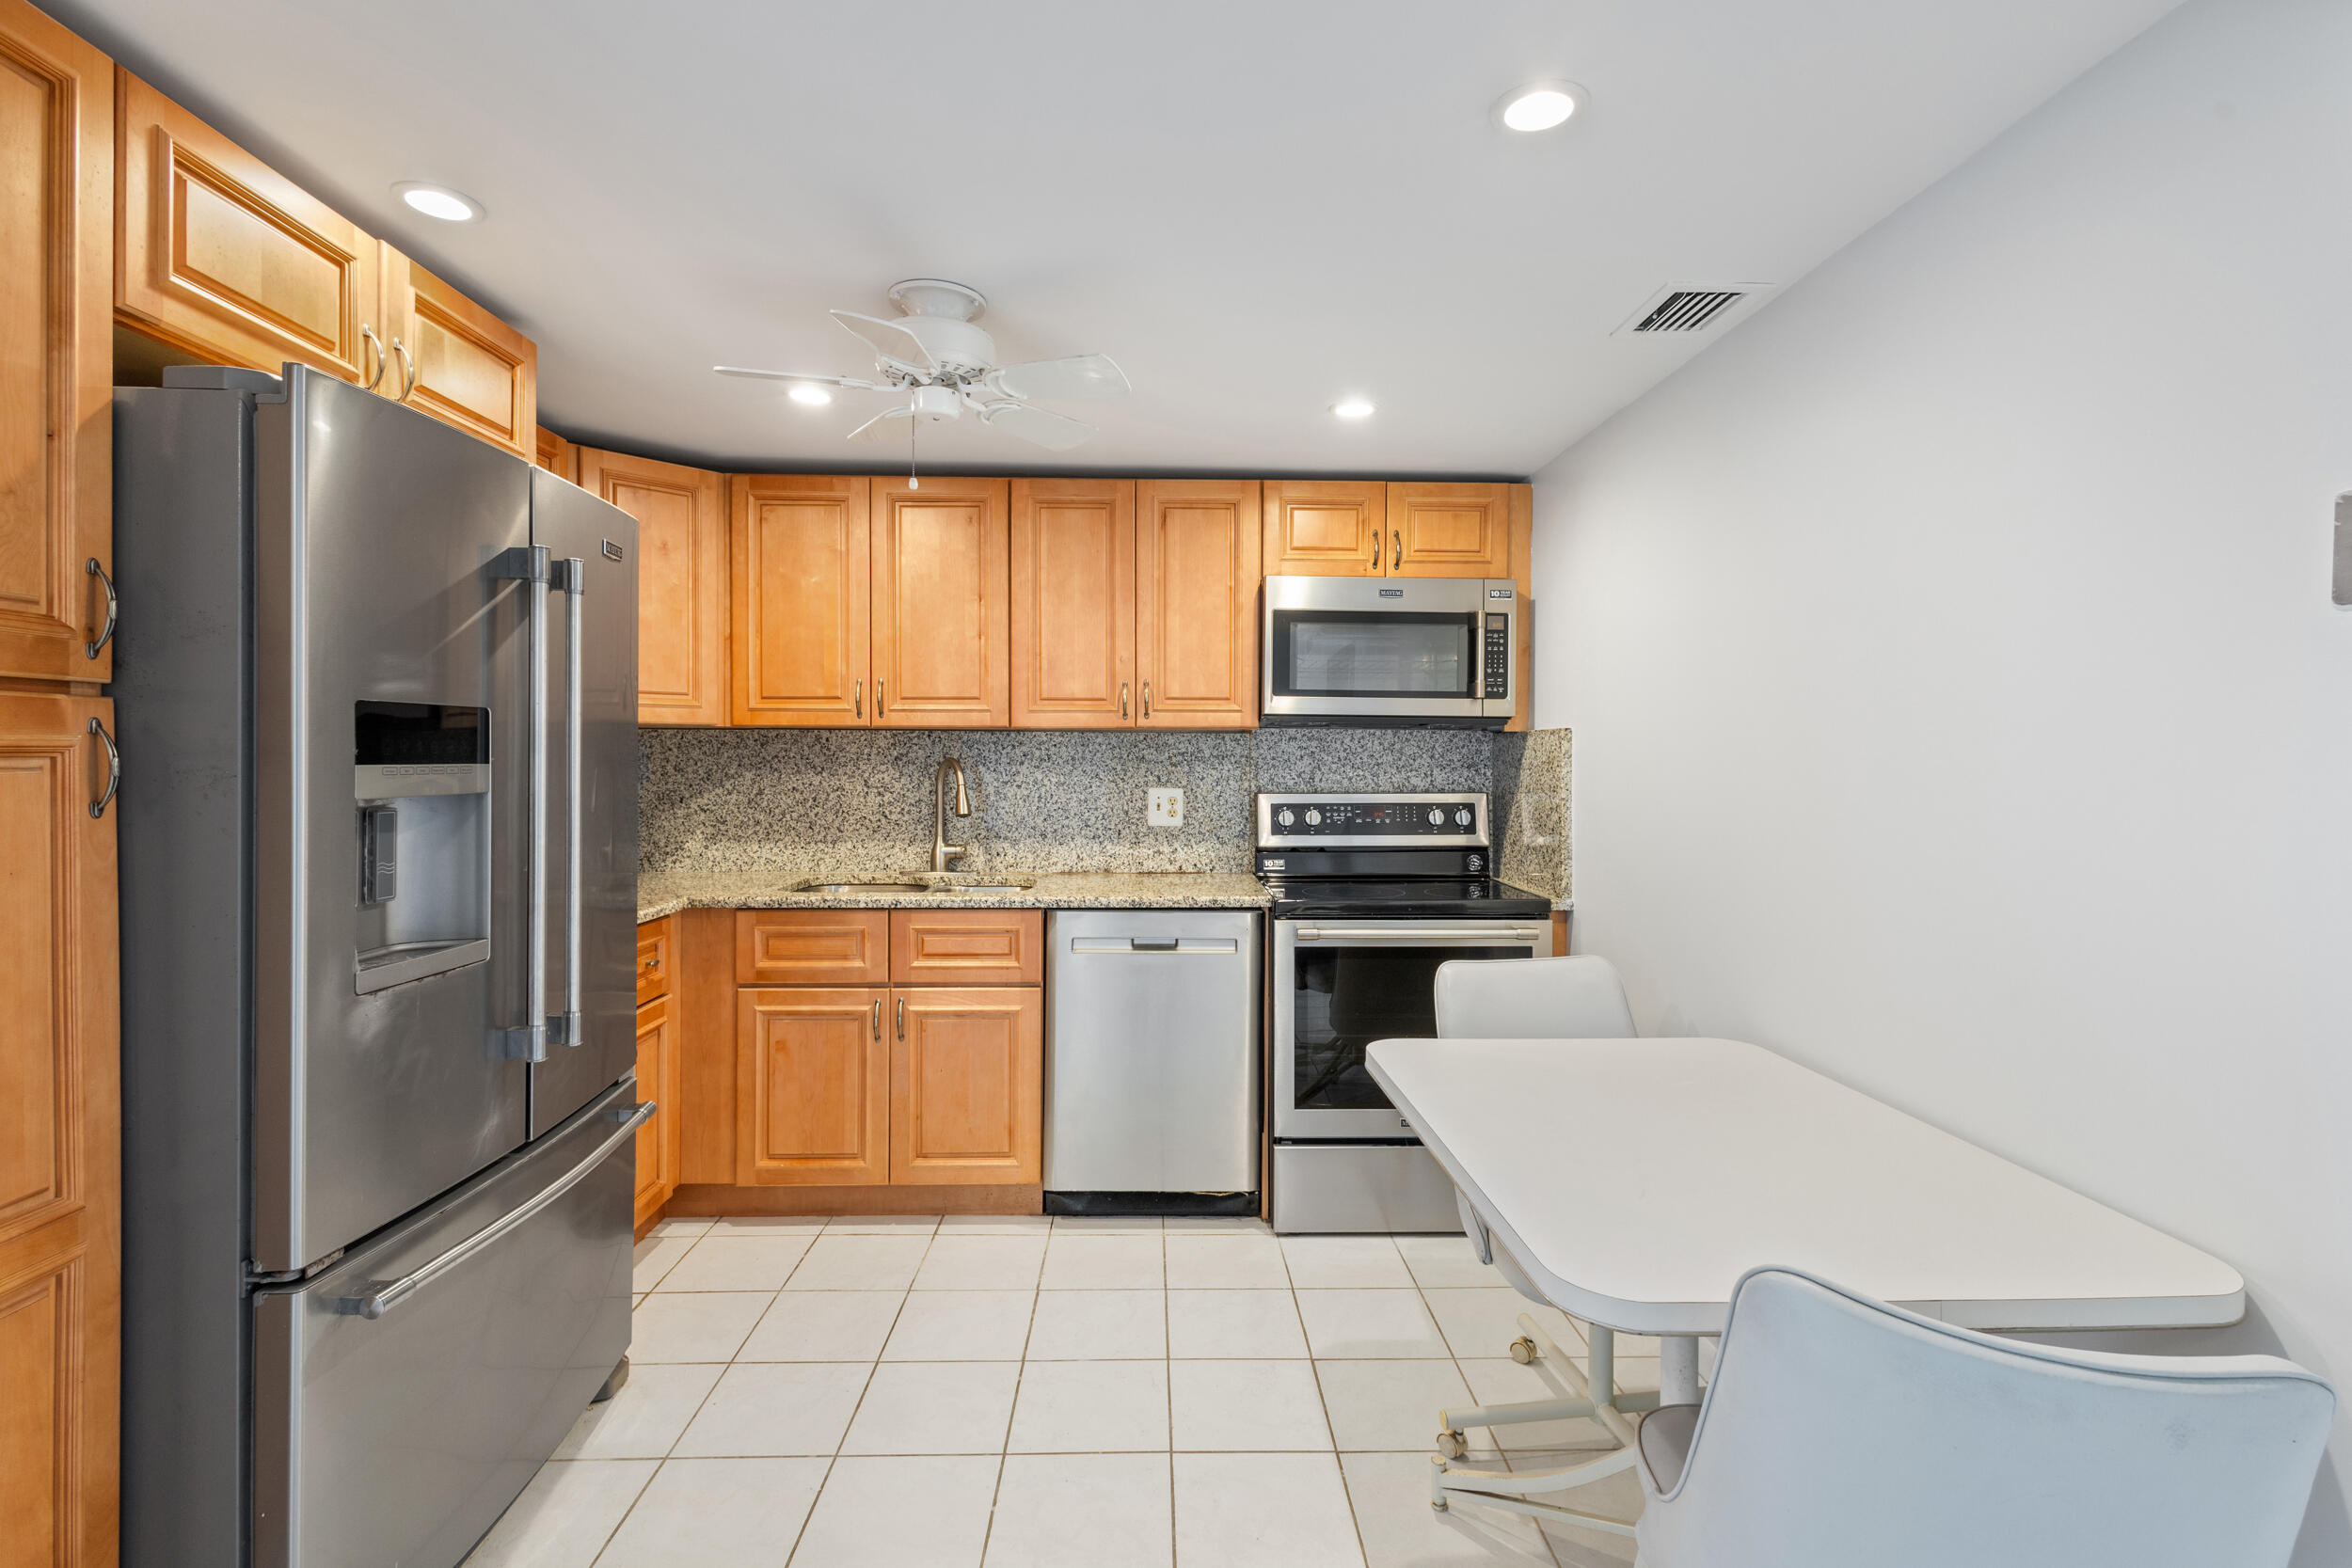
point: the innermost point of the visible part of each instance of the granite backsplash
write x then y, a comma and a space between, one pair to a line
1044, 800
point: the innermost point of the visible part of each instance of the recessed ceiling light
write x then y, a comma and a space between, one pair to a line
1353, 408
810, 393
1540, 105
438, 202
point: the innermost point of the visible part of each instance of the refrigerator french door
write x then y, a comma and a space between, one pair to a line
377, 691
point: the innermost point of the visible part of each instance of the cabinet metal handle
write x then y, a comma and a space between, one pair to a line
1376, 549
857, 703
1147, 699
383, 1297
1123, 699
1396, 549
114, 607
367, 336
114, 769
878, 696
653, 963
877, 1018
407, 371
902, 1017
573, 574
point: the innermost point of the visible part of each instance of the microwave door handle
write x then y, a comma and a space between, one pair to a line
527, 564
575, 579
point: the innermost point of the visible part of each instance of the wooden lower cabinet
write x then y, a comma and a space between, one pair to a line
967, 1086
812, 1093
657, 1080
60, 1156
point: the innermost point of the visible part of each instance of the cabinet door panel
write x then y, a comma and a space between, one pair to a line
1449, 530
1326, 528
967, 1086
681, 581
799, 599
57, 246
560, 458
941, 581
812, 947
657, 1080
464, 367
813, 1090
60, 1130
1073, 603
967, 947
1197, 576
221, 255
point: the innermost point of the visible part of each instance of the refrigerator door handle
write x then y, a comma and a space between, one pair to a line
528, 563
387, 1294
571, 574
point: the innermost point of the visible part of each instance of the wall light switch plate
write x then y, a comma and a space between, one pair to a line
1165, 808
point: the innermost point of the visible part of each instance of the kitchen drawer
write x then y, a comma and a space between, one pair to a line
967, 947
657, 948
812, 947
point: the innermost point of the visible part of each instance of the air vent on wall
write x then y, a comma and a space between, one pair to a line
1694, 306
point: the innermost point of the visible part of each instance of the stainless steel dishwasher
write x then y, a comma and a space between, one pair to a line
1152, 1103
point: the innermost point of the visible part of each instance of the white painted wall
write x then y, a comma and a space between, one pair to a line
1958, 704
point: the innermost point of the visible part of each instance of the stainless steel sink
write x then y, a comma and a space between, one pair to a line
922, 881
814, 886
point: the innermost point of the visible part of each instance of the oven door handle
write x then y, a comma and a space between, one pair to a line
1409, 934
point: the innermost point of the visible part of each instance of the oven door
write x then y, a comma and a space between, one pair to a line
1340, 985
1426, 650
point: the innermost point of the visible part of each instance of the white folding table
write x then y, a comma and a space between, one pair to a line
1631, 1182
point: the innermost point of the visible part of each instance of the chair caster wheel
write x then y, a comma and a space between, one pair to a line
1452, 1445
1523, 1351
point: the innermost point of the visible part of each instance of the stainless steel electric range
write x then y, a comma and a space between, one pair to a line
1372, 893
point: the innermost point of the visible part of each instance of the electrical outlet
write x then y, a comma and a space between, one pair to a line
1165, 808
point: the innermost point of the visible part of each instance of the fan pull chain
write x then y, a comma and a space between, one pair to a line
915, 416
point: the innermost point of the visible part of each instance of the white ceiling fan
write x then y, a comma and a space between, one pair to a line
942, 364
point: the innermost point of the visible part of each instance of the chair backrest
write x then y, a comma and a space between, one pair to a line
1840, 1432
1521, 999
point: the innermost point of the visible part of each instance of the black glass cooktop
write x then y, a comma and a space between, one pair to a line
1404, 898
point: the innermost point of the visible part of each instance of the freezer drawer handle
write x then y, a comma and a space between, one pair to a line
385, 1297
1190, 947
1406, 933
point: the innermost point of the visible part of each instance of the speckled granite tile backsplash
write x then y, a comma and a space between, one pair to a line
860, 800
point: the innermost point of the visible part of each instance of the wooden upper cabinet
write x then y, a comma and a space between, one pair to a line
942, 634
1197, 576
61, 1109
967, 1086
57, 359
557, 456
1449, 530
222, 257
812, 1094
681, 581
1073, 603
799, 600
1326, 528
455, 361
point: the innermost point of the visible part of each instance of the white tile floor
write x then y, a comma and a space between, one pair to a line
1022, 1393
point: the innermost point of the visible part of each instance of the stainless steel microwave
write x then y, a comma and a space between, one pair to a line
1388, 651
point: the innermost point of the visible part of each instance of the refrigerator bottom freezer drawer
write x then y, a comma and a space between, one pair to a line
400, 1437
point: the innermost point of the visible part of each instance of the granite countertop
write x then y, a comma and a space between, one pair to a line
667, 893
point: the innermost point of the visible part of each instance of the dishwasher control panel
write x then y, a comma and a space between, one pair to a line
1324, 820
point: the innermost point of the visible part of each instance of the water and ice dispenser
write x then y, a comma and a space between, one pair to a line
420, 785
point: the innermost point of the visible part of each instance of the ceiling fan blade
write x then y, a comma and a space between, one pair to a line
1055, 432
1084, 376
890, 340
850, 380
880, 425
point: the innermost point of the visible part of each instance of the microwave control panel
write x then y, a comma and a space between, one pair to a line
1496, 664
1371, 819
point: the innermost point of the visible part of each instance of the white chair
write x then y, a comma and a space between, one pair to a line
1578, 998
1841, 1433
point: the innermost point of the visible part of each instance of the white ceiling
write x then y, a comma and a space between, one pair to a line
1255, 206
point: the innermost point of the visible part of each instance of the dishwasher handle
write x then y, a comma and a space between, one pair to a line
1179, 946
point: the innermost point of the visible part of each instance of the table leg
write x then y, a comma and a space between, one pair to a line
1678, 1369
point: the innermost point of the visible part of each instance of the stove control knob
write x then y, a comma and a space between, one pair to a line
1463, 816
1436, 818
1286, 816
1314, 816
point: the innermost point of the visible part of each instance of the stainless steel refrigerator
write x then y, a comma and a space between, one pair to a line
377, 691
